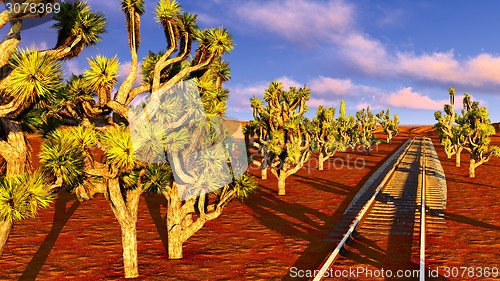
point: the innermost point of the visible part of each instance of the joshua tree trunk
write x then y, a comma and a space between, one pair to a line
129, 243
180, 223
321, 160
175, 243
16, 154
263, 173
458, 154
15, 150
126, 214
449, 151
5, 228
174, 225
472, 168
389, 137
281, 183
178, 218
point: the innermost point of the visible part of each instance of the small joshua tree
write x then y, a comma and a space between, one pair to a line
260, 136
366, 124
324, 134
477, 129
346, 128
449, 130
282, 131
390, 126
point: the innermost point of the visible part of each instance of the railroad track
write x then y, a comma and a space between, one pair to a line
383, 226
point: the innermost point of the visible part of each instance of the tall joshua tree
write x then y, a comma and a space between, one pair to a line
120, 175
366, 124
203, 181
67, 158
29, 80
324, 134
477, 129
282, 130
390, 126
450, 131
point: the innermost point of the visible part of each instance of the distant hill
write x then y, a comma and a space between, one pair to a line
234, 128
497, 126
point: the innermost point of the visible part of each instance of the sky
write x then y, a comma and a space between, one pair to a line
396, 54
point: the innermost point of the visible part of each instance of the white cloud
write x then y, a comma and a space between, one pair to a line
41, 45
73, 67
298, 21
407, 98
329, 91
239, 99
327, 86
332, 25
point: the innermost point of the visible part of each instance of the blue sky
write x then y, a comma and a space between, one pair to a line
398, 54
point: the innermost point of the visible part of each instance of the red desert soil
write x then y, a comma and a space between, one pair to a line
258, 239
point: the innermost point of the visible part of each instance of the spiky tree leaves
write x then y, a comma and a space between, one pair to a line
213, 95
62, 159
33, 79
77, 27
282, 136
325, 138
133, 10
450, 129
76, 100
166, 14
102, 77
366, 124
390, 126
346, 128
118, 150
21, 196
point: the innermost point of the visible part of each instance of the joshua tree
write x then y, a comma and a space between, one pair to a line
389, 126
324, 134
119, 175
366, 124
449, 131
257, 130
477, 129
197, 152
29, 80
346, 128
282, 132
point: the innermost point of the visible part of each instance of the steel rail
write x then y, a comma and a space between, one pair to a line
422, 213
360, 216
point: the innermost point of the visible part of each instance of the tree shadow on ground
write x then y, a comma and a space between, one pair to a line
470, 221
62, 214
155, 204
325, 185
318, 249
296, 221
